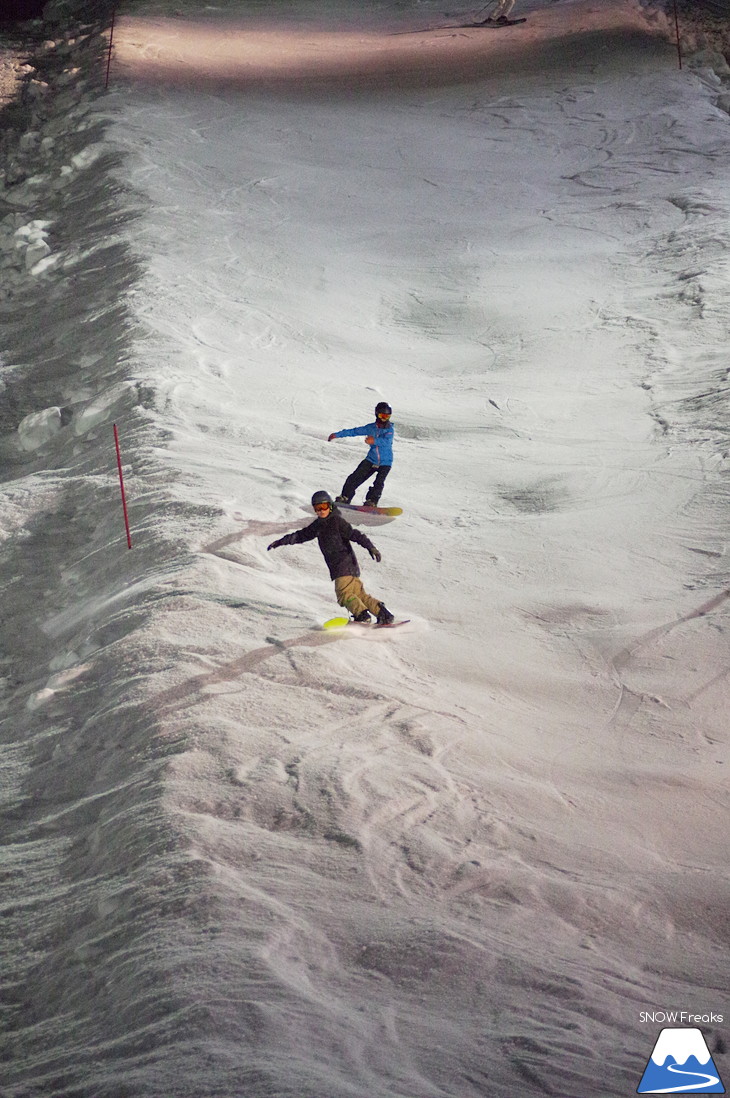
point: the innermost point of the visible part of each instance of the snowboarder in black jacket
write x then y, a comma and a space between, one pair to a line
334, 534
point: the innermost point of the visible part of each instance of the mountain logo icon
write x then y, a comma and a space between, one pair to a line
680, 1063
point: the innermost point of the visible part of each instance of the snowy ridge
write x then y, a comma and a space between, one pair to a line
82, 778
248, 858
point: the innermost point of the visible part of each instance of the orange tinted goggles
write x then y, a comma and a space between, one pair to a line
384, 415
321, 506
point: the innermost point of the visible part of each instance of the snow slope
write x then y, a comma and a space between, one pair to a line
247, 857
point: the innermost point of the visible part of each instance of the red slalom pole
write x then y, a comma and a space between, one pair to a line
109, 55
121, 485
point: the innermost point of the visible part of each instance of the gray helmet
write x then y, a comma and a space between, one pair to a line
322, 497
384, 408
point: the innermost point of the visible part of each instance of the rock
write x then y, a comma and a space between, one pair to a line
39, 427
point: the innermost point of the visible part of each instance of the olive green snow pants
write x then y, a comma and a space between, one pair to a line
352, 595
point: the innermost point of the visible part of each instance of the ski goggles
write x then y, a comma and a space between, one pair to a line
384, 415
321, 507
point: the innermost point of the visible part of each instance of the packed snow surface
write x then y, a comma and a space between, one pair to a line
247, 857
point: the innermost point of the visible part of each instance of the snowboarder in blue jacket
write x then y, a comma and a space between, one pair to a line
379, 437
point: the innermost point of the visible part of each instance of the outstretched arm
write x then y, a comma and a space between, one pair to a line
297, 537
349, 432
364, 540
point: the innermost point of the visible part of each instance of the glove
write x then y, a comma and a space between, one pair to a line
333, 435
375, 554
369, 440
274, 545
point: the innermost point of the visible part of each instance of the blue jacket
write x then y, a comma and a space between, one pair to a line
381, 451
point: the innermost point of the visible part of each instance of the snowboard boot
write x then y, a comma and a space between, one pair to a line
384, 615
370, 503
341, 499
362, 617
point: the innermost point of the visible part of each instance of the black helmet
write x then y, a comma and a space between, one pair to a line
384, 408
322, 497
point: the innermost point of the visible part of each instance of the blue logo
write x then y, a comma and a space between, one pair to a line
680, 1063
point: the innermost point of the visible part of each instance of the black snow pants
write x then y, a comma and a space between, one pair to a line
363, 472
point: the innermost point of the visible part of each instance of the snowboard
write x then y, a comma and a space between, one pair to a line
392, 511
341, 623
495, 25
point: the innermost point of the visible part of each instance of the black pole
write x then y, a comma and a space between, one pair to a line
109, 55
676, 24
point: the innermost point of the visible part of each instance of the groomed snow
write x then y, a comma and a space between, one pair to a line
246, 857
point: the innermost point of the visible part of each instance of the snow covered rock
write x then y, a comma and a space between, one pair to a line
100, 409
39, 427
35, 252
31, 238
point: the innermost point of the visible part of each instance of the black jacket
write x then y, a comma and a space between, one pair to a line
334, 535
